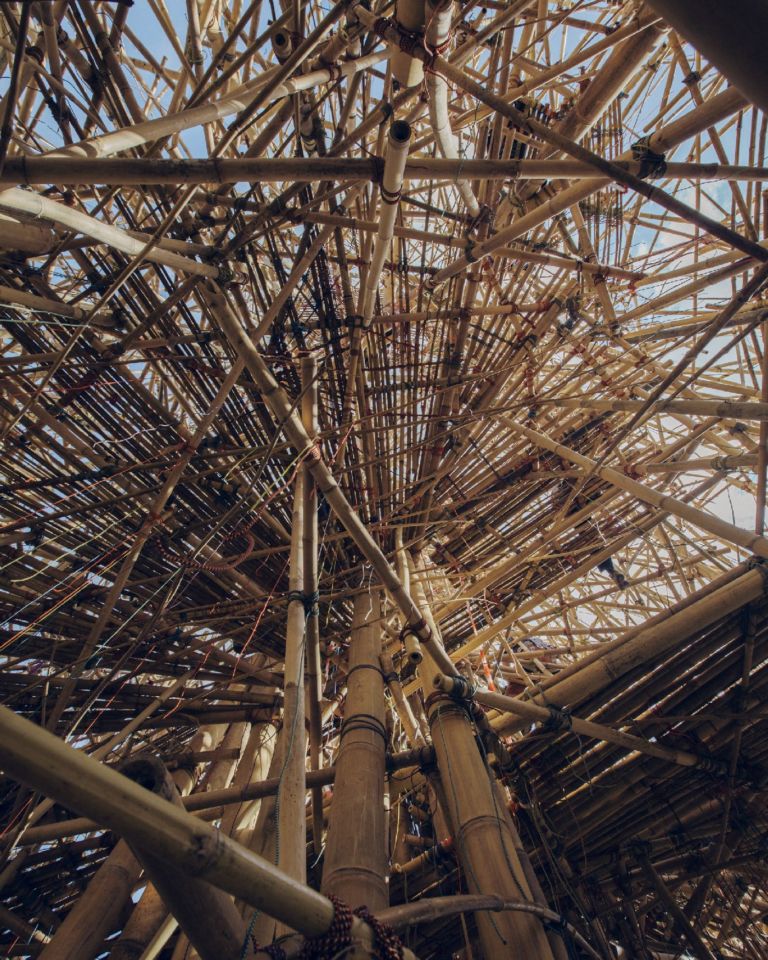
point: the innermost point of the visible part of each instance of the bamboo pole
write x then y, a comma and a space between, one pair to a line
391, 184
131, 171
355, 865
206, 915
596, 731
314, 674
651, 643
482, 833
292, 857
729, 409
283, 411
99, 911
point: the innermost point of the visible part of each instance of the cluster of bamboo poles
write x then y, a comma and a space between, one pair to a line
384, 418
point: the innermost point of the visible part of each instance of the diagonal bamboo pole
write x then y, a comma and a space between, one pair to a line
714, 525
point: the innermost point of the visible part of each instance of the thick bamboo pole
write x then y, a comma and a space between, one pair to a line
482, 833
99, 911
714, 525
355, 864
291, 821
206, 914
131, 171
391, 184
45, 763
650, 644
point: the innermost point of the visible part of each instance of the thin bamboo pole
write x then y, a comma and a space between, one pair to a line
729, 409
714, 525
314, 676
596, 731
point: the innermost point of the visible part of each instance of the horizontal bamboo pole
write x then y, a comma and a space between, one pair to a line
596, 731
125, 171
212, 800
42, 761
705, 521
729, 409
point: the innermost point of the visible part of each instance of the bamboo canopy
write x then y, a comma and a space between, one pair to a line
384, 426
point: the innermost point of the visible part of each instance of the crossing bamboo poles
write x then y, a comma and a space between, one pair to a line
206, 915
648, 644
714, 525
40, 760
282, 410
355, 866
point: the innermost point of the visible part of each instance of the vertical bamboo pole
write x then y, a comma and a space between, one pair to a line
314, 690
482, 832
356, 848
291, 820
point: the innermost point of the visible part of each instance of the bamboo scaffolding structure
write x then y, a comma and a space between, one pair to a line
501, 381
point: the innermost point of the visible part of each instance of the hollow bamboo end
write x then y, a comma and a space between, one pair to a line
399, 132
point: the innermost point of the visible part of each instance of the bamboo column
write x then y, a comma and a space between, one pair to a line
356, 847
291, 820
482, 832
99, 911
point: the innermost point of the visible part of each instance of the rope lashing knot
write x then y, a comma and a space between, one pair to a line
389, 196
559, 719
652, 165
363, 721
421, 630
462, 688
387, 945
308, 600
